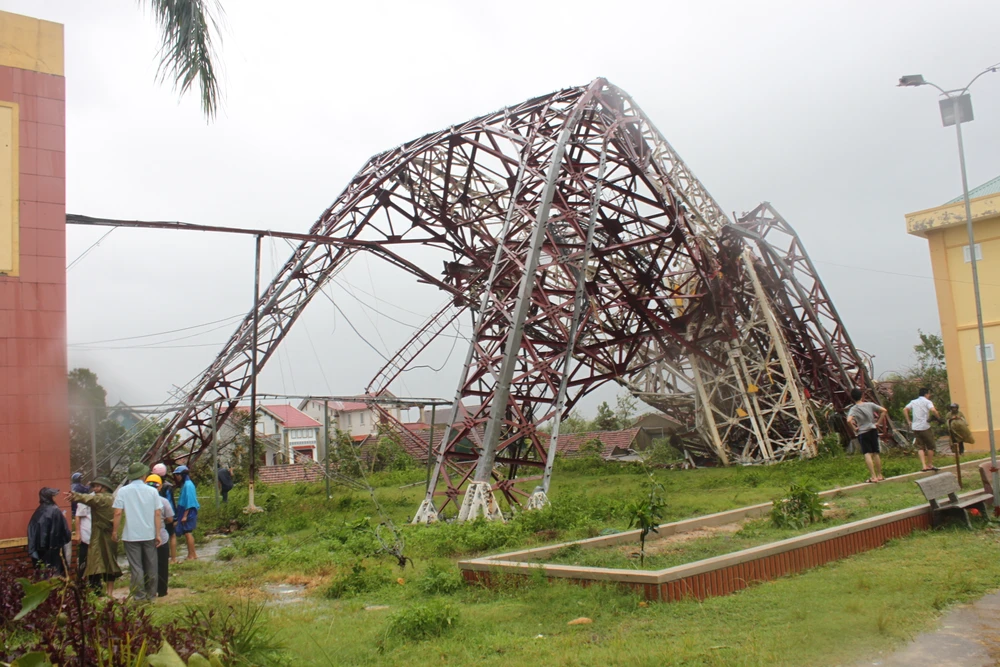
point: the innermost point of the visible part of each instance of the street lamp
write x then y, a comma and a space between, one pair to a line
956, 108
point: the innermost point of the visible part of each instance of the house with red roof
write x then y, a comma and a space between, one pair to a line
358, 418
289, 434
618, 445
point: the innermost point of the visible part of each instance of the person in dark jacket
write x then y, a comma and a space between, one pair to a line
76, 485
48, 533
225, 477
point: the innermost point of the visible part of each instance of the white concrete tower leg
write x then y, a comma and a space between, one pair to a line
498, 405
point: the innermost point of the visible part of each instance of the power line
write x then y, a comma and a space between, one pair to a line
147, 347
161, 333
92, 246
351, 324
169, 340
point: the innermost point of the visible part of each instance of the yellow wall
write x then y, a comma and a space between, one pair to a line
29, 43
9, 201
944, 229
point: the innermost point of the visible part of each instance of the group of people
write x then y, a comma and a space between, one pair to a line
864, 417
144, 514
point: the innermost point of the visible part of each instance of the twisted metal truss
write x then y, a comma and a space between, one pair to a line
585, 251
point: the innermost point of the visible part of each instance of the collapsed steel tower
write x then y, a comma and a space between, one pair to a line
586, 252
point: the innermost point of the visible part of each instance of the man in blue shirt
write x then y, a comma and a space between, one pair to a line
140, 505
187, 509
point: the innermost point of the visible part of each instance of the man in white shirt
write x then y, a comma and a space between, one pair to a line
140, 505
918, 412
82, 538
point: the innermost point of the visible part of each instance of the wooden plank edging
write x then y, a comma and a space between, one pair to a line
687, 525
727, 573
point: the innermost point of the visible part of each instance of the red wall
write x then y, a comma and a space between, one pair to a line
34, 430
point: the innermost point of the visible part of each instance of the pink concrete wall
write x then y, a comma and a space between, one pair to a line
34, 430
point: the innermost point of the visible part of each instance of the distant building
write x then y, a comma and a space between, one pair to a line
618, 445
289, 434
356, 418
125, 416
945, 231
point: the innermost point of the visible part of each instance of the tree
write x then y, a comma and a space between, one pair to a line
189, 30
87, 404
593, 449
606, 419
930, 371
625, 409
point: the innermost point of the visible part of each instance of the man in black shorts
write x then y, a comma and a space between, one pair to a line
862, 417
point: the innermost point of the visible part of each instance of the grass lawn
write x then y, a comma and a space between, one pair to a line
842, 508
831, 615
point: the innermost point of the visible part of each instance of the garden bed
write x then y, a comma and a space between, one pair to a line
708, 559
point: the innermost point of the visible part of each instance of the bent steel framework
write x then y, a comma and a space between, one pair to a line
585, 251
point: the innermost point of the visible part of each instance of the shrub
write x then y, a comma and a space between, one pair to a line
227, 554
70, 626
663, 453
359, 579
801, 508
440, 580
646, 514
593, 448
422, 621
829, 446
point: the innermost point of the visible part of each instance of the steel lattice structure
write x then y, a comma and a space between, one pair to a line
586, 252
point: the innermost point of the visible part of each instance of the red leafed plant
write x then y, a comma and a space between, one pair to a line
72, 626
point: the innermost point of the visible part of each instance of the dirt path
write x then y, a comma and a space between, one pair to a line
967, 636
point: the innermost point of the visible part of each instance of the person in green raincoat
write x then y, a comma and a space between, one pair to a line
102, 557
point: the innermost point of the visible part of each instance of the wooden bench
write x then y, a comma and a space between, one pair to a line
944, 484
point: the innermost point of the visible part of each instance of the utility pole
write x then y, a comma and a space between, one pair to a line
326, 445
215, 451
956, 108
430, 442
93, 438
251, 507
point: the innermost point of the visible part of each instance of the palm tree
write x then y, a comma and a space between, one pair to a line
190, 29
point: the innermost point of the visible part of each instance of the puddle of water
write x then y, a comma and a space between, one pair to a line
282, 594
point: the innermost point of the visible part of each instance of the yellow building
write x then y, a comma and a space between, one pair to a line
944, 229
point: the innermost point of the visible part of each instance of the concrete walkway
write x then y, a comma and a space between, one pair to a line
967, 636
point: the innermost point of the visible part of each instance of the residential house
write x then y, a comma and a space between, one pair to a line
289, 434
356, 418
125, 416
658, 425
617, 445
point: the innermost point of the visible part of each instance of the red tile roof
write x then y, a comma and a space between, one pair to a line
290, 417
570, 443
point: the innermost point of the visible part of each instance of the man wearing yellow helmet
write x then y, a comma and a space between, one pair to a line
162, 551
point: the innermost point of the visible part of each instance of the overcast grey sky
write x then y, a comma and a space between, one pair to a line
790, 102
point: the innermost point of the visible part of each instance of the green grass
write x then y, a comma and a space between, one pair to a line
831, 615
843, 508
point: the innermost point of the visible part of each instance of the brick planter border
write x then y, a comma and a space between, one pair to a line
722, 575
719, 575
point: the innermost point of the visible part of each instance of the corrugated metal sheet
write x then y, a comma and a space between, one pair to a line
987, 188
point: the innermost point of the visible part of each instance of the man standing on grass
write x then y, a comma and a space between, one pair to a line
225, 478
140, 504
862, 417
918, 412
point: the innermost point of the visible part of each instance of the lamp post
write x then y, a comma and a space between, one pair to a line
956, 108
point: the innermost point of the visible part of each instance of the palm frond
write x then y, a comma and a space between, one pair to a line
190, 30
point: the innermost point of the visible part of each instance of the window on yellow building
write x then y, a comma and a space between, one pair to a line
990, 356
968, 257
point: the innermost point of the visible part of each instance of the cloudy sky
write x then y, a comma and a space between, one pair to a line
790, 102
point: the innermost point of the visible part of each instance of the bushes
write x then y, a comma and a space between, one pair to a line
440, 580
72, 621
359, 579
422, 621
801, 508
